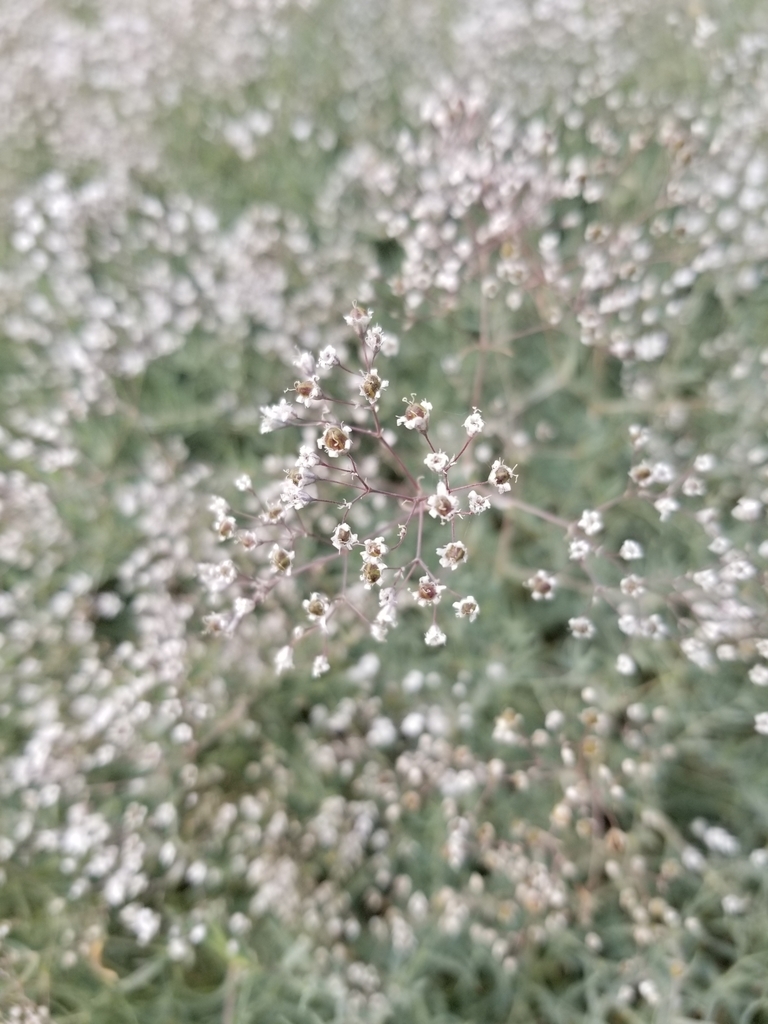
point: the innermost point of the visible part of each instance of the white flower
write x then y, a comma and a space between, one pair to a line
284, 660
443, 505
294, 496
308, 458
374, 337
281, 560
434, 636
327, 358
342, 538
747, 510
358, 318
244, 483
630, 550
761, 723
501, 476
478, 503
582, 627
665, 507
370, 574
375, 549
273, 416
335, 440
320, 666
591, 522
372, 385
317, 607
542, 585
382, 732
758, 675
579, 549
307, 391
467, 608
416, 415
632, 586
438, 462
217, 576
429, 592
453, 554
474, 423
625, 665
762, 647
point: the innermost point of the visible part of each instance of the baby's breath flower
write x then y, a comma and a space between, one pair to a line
317, 607
429, 592
665, 507
281, 560
630, 551
501, 476
625, 665
438, 462
274, 416
761, 723
747, 510
307, 391
327, 358
416, 416
374, 337
582, 627
358, 318
372, 385
308, 458
443, 505
370, 574
284, 660
375, 549
474, 423
335, 440
758, 675
434, 637
632, 586
273, 514
542, 585
453, 554
217, 576
591, 522
478, 503
467, 608
343, 538
244, 483
579, 549
320, 666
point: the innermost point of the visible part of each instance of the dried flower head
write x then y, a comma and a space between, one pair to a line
502, 476
443, 505
428, 592
335, 440
416, 416
372, 385
453, 554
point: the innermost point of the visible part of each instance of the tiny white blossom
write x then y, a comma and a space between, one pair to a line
474, 423
591, 522
370, 574
274, 416
434, 637
467, 608
374, 337
375, 549
320, 666
281, 560
343, 538
443, 504
327, 358
244, 483
429, 592
631, 550
307, 391
372, 385
478, 503
335, 440
438, 462
284, 660
317, 607
542, 585
453, 554
761, 723
665, 507
582, 627
632, 586
625, 665
416, 416
358, 318
501, 476
747, 510
579, 549
308, 458
758, 675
